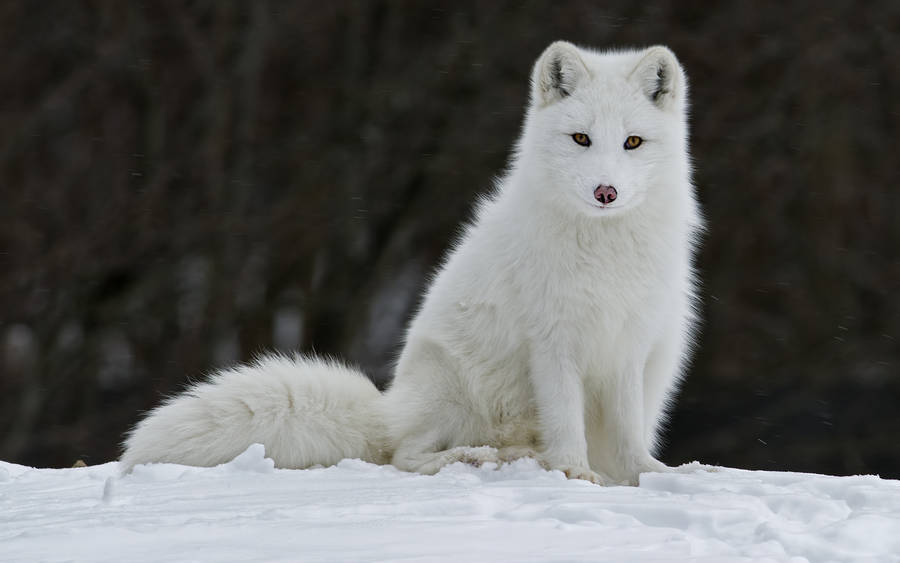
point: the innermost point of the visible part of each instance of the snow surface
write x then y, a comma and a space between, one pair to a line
246, 510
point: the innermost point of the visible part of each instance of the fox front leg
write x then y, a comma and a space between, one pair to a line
559, 397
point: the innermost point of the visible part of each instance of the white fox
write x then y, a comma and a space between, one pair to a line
558, 327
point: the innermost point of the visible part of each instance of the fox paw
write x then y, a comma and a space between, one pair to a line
650, 465
656, 466
475, 457
585, 474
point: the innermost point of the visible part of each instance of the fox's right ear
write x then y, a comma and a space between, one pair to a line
557, 73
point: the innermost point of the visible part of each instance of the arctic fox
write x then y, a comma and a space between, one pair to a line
557, 328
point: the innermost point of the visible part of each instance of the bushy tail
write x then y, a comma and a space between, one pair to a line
305, 411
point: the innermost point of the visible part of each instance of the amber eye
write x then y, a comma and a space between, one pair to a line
633, 142
581, 139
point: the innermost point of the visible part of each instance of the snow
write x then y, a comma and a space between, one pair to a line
247, 510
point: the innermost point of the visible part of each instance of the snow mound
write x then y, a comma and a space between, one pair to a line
246, 510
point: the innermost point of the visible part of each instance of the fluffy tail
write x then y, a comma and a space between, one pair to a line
305, 411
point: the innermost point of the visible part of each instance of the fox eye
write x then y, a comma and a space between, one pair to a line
582, 139
633, 142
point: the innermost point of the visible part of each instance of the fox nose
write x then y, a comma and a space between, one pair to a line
605, 194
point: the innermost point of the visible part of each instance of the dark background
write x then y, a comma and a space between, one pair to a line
183, 185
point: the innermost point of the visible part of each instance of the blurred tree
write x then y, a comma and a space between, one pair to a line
186, 184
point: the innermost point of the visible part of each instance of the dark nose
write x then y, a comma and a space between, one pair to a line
605, 194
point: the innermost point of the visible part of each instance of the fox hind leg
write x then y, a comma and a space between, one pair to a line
429, 463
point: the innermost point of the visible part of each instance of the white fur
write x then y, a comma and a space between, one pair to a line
306, 411
557, 327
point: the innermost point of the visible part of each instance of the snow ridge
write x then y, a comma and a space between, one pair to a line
246, 510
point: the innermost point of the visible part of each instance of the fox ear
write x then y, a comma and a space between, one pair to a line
557, 73
660, 77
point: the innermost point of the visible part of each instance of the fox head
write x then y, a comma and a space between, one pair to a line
606, 132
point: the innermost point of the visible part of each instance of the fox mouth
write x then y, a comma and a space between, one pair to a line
609, 208
599, 199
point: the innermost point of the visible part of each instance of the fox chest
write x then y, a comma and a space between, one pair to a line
603, 310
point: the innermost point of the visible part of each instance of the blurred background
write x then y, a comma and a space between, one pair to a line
185, 185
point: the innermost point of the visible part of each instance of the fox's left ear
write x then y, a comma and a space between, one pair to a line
660, 77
